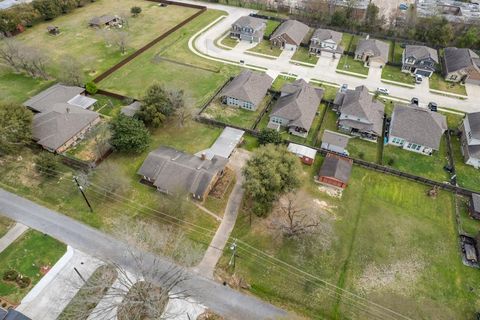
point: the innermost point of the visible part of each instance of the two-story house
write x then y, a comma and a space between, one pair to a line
248, 29
246, 90
470, 129
419, 60
416, 129
359, 114
326, 42
289, 35
296, 108
374, 53
461, 65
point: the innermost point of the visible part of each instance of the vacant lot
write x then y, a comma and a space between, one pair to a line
172, 64
385, 241
27, 256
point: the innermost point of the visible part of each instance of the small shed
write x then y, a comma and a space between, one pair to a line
105, 21
306, 154
471, 253
475, 206
335, 171
335, 142
53, 30
131, 109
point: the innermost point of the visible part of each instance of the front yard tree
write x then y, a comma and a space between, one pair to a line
71, 71
129, 134
135, 11
121, 40
156, 106
15, 127
46, 165
295, 220
267, 136
271, 172
182, 111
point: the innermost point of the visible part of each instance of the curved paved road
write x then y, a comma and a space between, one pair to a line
223, 300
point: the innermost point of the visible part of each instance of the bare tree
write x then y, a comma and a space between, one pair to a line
182, 110
33, 62
121, 40
294, 219
71, 71
9, 53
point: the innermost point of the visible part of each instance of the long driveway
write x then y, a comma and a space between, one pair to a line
204, 46
223, 300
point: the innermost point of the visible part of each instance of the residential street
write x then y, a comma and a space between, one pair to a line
223, 300
204, 46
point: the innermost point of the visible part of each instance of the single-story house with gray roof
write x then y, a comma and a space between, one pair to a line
296, 108
417, 129
105, 20
335, 142
335, 171
461, 65
246, 90
372, 52
289, 35
248, 28
173, 172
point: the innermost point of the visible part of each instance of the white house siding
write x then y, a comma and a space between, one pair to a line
400, 142
278, 120
233, 102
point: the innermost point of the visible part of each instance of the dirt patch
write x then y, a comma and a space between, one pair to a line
221, 186
397, 277
332, 192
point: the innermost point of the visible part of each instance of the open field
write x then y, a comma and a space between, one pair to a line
265, 47
347, 63
385, 240
438, 83
27, 255
395, 74
173, 65
302, 54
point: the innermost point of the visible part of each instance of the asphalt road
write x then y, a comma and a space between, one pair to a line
223, 300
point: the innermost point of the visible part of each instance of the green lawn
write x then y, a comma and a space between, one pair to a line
346, 40
265, 47
271, 26
108, 106
396, 52
17, 88
235, 116
5, 224
229, 42
467, 176
395, 74
280, 81
438, 83
348, 64
199, 78
469, 225
425, 166
357, 147
329, 92
27, 255
302, 54
384, 240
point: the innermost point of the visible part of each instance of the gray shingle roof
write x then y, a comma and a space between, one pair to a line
294, 29
58, 93
376, 47
474, 122
299, 105
56, 125
325, 34
359, 103
336, 167
418, 125
225, 143
476, 202
131, 109
102, 20
248, 86
456, 59
421, 52
174, 171
250, 22
335, 138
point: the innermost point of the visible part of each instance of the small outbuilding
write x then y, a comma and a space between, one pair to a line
335, 171
475, 206
53, 30
306, 154
105, 20
335, 142
225, 144
131, 109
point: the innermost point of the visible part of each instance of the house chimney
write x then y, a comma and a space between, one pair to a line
203, 156
68, 109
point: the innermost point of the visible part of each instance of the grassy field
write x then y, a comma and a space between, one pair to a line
17, 88
264, 47
438, 83
27, 255
235, 116
425, 166
302, 54
172, 64
347, 63
271, 26
5, 224
395, 74
385, 240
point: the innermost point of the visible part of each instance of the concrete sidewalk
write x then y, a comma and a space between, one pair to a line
13, 234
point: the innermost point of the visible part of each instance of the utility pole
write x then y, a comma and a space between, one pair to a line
233, 248
83, 193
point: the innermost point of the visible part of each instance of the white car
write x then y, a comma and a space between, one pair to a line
384, 91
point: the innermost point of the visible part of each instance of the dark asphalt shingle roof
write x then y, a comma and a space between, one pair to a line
248, 86
299, 105
474, 122
335, 138
294, 29
376, 47
421, 52
336, 167
59, 123
250, 22
325, 34
418, 125
58, 93
174, 171
456, 59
